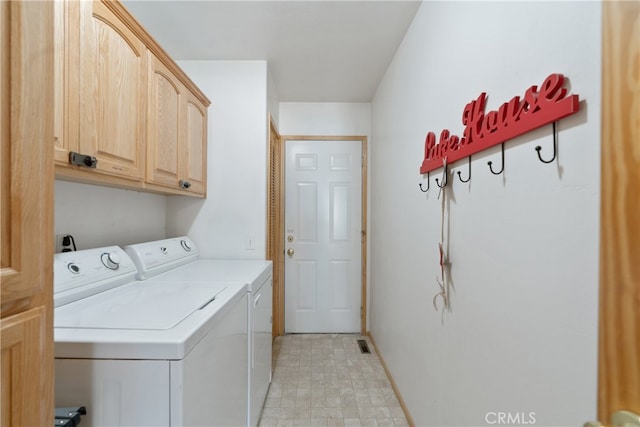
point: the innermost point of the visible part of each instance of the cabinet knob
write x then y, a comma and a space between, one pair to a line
184, 184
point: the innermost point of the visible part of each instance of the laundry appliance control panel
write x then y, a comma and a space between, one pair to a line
79, 274
153, 258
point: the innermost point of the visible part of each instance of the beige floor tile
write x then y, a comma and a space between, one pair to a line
323, 380
400, 422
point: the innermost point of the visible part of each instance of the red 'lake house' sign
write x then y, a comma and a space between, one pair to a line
538, 107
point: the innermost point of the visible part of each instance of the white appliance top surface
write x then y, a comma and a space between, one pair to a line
209, 270
101, 311
178, 259
123, 323
138, 305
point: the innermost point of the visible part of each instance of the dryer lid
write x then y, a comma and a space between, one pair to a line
137, 306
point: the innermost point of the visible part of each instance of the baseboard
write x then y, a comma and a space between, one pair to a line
393, 383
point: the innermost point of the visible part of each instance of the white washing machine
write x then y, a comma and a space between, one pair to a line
169, 353
257, 274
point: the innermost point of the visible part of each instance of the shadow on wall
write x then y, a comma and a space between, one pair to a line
184, 211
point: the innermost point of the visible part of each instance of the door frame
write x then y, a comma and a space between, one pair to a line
275, 209
618, 344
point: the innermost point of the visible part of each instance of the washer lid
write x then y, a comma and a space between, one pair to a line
137, 306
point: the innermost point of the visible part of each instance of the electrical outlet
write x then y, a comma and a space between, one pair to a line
64, 243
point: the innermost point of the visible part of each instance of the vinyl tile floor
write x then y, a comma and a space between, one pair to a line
325, 380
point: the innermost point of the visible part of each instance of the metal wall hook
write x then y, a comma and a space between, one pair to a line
555, 147
469, 176
428, 184
490, 163
445, 180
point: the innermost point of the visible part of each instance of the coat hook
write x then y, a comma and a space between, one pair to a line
445, 180
428, 184
555, 147
490, 163
469, 176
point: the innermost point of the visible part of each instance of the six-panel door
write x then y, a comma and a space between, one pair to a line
323, 185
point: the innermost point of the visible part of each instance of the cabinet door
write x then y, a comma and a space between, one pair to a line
163, 131
27, 399
194, 157
26, 193
26, 161
113, 66
60, 26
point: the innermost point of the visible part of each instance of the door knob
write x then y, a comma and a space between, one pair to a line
290, 252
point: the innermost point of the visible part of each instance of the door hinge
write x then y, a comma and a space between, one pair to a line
362, 234
361, 312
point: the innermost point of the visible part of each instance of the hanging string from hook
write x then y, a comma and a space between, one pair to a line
445, 176
443, 280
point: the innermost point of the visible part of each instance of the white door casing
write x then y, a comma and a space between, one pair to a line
323, 224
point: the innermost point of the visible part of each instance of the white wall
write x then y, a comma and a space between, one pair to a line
522, 333
273, 99
100, 216
235, 208
325, 118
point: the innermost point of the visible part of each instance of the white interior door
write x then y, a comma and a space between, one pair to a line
323, 215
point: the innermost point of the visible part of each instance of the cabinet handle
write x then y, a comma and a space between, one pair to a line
82, 160
184, 184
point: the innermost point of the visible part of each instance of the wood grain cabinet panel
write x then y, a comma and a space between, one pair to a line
165, 97
26, 189
27, 395
177, 133
62, 69
121, 99
112, 92
194, 158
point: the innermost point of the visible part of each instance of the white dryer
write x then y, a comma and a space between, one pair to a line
257, 274
170, 353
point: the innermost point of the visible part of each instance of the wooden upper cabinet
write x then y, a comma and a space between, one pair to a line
177, 133
194, 158
163, 132
61, 70
121, 99
112, 92
26, 194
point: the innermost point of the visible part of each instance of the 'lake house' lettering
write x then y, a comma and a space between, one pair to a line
538, 107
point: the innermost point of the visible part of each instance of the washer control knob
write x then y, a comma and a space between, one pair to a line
164, 250
185, 245
111, 260
73, 267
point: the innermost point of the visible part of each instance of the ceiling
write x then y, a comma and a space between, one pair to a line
317, 51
